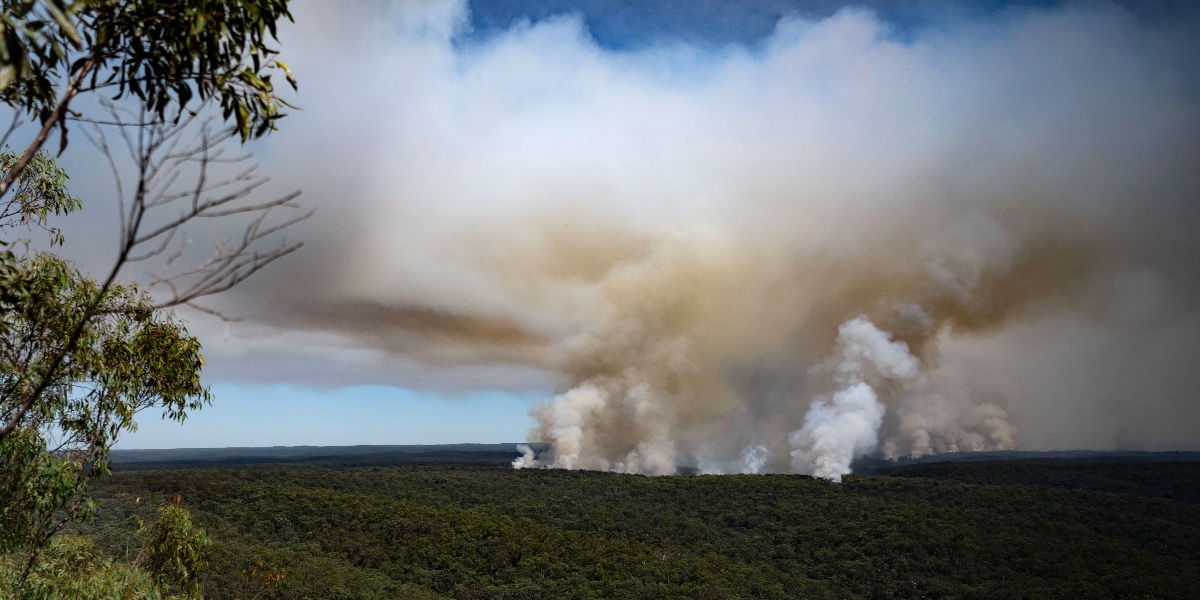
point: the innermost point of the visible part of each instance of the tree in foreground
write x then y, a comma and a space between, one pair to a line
128, 358
162, 69
166, 565
172, 84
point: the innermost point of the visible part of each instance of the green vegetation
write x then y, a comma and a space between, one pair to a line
80, 357
78, 360
165, 565
163, 53
428, 530
128, 358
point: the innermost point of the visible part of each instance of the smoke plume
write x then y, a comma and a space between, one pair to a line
979, 234
841, 428
713, 354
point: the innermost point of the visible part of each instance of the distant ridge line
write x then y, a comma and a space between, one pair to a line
250, 454
501, 454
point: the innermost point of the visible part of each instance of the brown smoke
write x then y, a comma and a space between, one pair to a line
706, 346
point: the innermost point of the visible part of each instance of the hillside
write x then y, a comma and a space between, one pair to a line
996, 529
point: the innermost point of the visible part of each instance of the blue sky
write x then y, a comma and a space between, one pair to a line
642, 225
716, 23
286, 415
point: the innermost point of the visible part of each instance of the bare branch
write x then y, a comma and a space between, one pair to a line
177, 166
16, 121
220, 315
156, 251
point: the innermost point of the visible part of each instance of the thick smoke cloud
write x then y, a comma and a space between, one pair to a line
697, 339
979, 235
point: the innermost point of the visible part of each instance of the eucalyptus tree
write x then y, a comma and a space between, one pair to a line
174, 86
164, 53
128, 358
176, 80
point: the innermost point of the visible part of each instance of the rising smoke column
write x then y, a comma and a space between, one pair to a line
646, 386
845, 426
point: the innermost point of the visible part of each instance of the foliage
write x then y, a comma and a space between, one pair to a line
162, 52
175, 549
107, 368
1176, 480
71, 569
79, 358
171, 555
437, 530
162, 55
40, 192
129, 358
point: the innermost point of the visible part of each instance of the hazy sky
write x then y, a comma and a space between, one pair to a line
520, 198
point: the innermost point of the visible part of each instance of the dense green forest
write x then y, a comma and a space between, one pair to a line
422, 528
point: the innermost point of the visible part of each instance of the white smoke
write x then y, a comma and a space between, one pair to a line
656, 457
755, 458
570, 421
839, 429
527, 460
869, 353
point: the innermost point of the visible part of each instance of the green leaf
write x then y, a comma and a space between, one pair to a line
64, 24
6, 76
